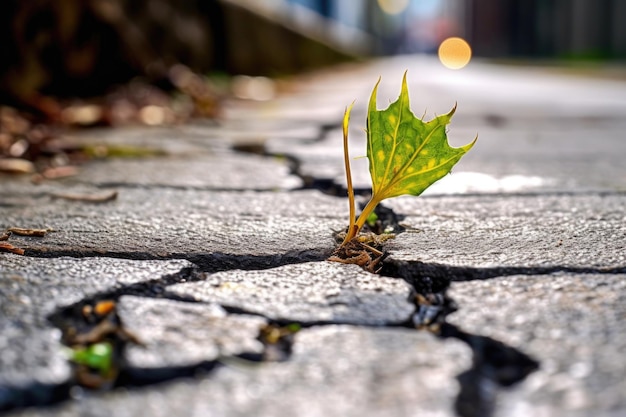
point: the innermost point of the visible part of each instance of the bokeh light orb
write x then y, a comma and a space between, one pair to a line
393, 7
455, 53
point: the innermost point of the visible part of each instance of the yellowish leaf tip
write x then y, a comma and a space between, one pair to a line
469, 145
372, 103
346, 118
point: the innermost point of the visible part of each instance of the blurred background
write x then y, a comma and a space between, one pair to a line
110, 62
563, 29
82, 47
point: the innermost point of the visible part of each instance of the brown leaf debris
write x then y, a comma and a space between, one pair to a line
88, 198
7, 247
29, 232
358, 252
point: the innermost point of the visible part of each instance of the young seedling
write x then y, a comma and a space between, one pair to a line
406, 155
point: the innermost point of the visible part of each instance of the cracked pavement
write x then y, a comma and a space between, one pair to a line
210, 244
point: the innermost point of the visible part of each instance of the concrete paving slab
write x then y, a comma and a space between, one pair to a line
562, 157
515, 231
573, 324
177, 334
573, 157
567, 231
182, 223
218, 171
343, 371
168, 140
18, 195
334, 371
309, 292
198, 136
257, 126
323, 159
31, 289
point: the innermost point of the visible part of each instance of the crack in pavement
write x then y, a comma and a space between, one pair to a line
442, 272
495, 365
488, 366
209, 262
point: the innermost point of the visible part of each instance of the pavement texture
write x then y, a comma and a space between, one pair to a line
502, 294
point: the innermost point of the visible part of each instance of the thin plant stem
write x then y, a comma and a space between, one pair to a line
355, 224
346, 159
367, 210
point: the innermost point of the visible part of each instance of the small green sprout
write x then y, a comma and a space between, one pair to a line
406, 155
97, 356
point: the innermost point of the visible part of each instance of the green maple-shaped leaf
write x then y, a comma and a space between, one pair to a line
406, 155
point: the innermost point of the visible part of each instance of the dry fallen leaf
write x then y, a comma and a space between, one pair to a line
7, 247
29, 232
16, 166
89, 198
